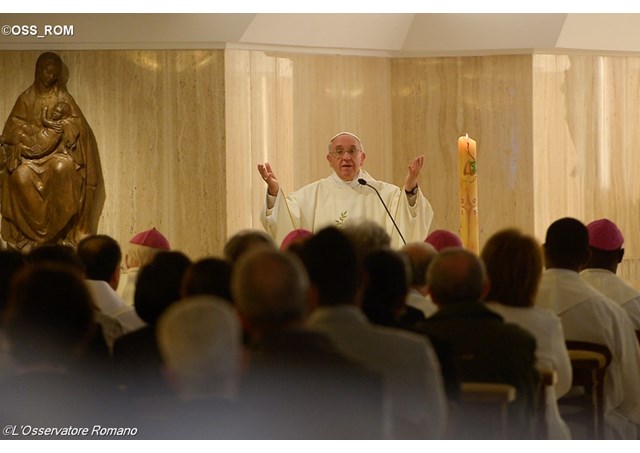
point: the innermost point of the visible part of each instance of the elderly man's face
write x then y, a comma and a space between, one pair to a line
346, 157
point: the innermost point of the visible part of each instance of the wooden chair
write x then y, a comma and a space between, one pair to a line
482, 411
548, 378
584, 404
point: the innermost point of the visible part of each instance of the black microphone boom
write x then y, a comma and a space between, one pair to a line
363, 182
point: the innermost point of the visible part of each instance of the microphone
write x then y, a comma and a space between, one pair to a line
363, 182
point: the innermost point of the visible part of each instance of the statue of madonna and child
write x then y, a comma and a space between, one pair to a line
51, 185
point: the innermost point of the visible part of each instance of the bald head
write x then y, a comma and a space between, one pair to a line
456, 275
270, 288
566, 244
420, 255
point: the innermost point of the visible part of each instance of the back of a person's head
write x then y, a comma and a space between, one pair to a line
367, 236
514, 266
200, 342
270, 288
606, 244
566, 244
11, 261
419, 255
56, 254
208, 276
387, 285
333, 266
456, 275
245, 241
159, 285
443, 239
100, 255
49, 317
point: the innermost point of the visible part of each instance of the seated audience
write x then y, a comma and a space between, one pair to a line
200, 343
136, 355
514, 267
420, 255
406, 360
140, 251
11, 262
244, 241
605, 244
49, 321
295, 239
384, 301
484, 347
297, 385
588, 315
367, 236
210, 276
101, 257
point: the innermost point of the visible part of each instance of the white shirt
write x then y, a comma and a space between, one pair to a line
127, 285
588, 315
415, 299
409, 366
334, 202
617, 290
112, 306
551, 353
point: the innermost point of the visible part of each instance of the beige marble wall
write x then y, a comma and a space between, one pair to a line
435, 100
586, 118
158, 118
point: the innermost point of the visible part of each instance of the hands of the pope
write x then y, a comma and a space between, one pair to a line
415, 167
270, 178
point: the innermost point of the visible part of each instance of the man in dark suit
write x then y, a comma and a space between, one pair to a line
297, 385
477, 343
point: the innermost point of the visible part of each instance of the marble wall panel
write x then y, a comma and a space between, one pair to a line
158, 118
585, 128
435, 100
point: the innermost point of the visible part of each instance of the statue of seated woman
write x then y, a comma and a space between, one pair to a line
51, 188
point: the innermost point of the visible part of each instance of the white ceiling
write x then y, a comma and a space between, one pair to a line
376, 34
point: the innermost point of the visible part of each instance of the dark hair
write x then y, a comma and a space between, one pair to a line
514, 267
11, 261
56, 254
333, 267
100, 255
567, 244
387, 286
49, 315
208, 276
158, 284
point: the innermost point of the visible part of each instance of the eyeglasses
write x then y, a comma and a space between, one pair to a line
339, 153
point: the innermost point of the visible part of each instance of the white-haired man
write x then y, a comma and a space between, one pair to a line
341, 198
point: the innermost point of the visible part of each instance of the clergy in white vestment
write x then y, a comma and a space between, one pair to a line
588, 315
606, 244
341, 198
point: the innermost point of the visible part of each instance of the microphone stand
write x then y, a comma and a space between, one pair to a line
363, 182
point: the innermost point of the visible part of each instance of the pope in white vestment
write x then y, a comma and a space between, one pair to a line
340, 199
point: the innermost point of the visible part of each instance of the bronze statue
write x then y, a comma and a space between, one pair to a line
51, 186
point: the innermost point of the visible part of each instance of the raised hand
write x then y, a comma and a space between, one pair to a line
415, 167
270, 178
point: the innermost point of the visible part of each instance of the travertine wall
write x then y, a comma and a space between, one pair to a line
586, 159
435, 100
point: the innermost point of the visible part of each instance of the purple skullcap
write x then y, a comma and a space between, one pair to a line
151, 238
295, 236
441, 239
605, 235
